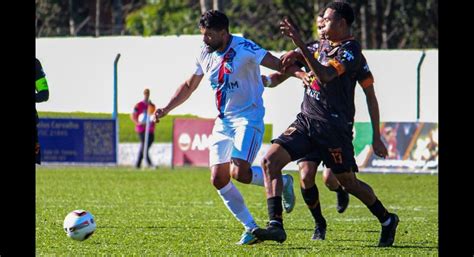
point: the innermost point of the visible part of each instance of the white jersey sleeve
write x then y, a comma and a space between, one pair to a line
198, 69
259, 52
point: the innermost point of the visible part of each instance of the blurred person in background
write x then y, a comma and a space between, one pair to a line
142, 117
41, 95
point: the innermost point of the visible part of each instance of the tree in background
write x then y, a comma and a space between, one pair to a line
379, 24
83, 17
171, 17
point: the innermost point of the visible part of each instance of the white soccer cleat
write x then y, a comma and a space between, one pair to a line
248, 238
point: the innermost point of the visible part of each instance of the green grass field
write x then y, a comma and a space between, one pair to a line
163, 130
179, 213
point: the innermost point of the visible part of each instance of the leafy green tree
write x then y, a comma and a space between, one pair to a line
379, 24
171, 17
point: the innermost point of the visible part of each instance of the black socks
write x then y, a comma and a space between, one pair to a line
275, 209
379, 211
311, 198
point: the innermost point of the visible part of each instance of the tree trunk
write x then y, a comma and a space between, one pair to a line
82, 24
386, 24
118, 17
205, 5
97, 18
218, 5
72, 29
363, 26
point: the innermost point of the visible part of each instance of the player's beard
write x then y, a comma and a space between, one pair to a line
213, 47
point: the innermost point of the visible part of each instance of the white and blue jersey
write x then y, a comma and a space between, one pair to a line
234, 76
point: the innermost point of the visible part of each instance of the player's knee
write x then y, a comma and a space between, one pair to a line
327, 182
349, 185
218, 181
241, 176
330, 180
307, 178
234, 173
326, 175
241, 171
307, 174
269, 166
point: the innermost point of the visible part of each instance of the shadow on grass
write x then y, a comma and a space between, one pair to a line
405, 247
170, 227
334, 230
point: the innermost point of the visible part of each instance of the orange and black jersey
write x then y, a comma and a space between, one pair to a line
365, 79
314, 48
334, 101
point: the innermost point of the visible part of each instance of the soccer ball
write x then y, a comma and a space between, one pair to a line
79, 225
142, 120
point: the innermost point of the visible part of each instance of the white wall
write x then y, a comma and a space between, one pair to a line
394, 72
80, 76
429, 89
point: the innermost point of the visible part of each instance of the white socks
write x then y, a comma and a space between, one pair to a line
236, 205
257, 176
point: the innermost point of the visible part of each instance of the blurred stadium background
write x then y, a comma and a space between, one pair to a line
406, 93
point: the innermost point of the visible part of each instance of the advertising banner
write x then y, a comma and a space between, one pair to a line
191, 141
77, 140
412, 147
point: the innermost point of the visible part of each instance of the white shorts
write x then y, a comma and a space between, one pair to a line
242, 142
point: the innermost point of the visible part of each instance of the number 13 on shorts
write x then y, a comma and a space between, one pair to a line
336, 155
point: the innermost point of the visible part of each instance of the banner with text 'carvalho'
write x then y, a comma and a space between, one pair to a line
69, 140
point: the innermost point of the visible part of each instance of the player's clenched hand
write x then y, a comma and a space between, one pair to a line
288, 59
308, 78
159, 113
379, 148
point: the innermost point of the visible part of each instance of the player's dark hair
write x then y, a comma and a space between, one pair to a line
321, 12
342, 10
214, 19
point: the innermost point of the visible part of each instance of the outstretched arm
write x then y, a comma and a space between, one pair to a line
281, 75
271, 62
277, 78
373, 106
324, 73
183, 92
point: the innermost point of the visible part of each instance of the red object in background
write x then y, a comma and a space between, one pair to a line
191, 141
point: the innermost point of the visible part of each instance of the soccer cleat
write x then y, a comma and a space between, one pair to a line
274, 231
342, 201
288, 195
319, 232
387, 237
248, 238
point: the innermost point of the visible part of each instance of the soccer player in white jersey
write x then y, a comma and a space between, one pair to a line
232, 66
